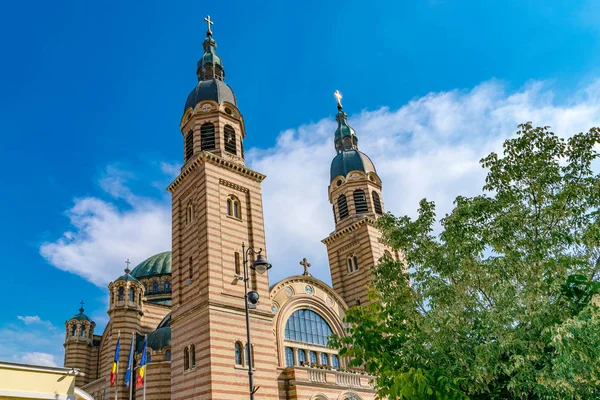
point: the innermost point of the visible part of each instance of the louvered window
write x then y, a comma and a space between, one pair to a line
207, 137
342, 206
230, 145
360, 201
189, 145
377, 203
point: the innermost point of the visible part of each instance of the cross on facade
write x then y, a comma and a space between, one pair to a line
209, 23
338, 96
305, 264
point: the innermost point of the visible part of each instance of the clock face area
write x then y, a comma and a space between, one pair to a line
206, 107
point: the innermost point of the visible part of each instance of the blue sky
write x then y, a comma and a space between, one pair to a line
92, 94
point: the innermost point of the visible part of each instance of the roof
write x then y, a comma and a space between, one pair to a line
212, 89
350, 160
81, 316
157, 340
158, 264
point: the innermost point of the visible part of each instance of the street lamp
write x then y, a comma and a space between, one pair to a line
260, 265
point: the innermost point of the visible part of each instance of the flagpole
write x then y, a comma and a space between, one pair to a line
145, 372
117, 370
131, 367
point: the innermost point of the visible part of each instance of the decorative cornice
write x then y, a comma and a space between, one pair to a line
337, 234
206, 157
233, 186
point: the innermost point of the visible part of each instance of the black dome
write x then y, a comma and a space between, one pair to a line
212, 89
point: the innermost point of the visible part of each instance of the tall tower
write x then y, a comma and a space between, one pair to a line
216, 206
78, 346
355, 193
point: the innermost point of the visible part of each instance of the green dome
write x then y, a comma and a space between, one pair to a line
348, 161
127, 278
157, 340
158, 264
81, 316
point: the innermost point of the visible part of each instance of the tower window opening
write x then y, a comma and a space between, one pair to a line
335, 220
155, 287
234, 207
377, 203
189, 213
74, 330
342, 206
355, 260
350, 266
121, 294
186, 359
189, 145
239, 357
167, 286
360, 201
230, 144
242, 149
193, 356
207, 136
83, 331
168, 355
236, 258
190, 268
131, 294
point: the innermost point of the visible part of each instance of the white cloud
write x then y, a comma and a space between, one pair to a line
34, 319
430, 147
36, 358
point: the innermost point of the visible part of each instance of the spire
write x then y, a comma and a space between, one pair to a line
345, 136
209, 66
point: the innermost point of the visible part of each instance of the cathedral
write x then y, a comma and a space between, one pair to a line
189, 302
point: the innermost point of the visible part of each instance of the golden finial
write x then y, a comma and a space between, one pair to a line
338, 96
209, 22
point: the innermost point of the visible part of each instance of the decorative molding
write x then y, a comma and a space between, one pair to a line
205, 157
233, 186
188, 191
352, 228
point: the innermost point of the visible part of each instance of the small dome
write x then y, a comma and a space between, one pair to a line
158, 264
212, 89
157, 340
126, 278
348, 161
81, 316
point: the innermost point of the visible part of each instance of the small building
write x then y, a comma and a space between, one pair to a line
24, 381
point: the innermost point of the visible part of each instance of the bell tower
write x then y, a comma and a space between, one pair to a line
355, 193
216, 206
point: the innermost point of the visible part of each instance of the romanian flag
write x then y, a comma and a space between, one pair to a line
129, 364
113, 371
141, 377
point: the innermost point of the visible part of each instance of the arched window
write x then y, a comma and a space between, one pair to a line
155, 287
131, 294
350, 265
377, 203
168, 355
189, 145
186, 359
335, 361
230, 145
189, 213
324, 359
167, 286
313, 357
355, 261
307, 326
121, 294
301, 357
207, 137
74, 330
234, 207
289, 357
239, 358
148, 357
360, 201
145, 288
82, 331
193, 356
342, 206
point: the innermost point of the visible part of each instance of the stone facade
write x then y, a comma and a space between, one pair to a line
189, 304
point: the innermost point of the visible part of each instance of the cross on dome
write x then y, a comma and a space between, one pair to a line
81, 308
306, 265
209, 23
338, 96
127, 270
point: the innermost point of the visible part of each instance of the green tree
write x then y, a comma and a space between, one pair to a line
498, 305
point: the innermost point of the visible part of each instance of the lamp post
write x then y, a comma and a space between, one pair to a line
260, 265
